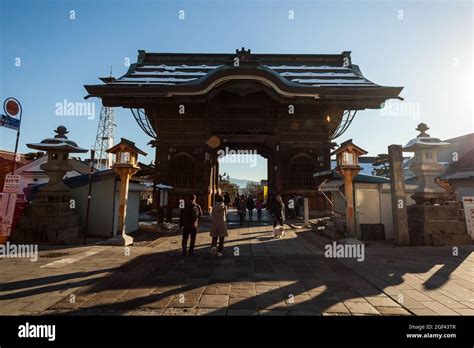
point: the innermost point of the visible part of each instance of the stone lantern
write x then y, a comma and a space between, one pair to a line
347, 158
426, 166
52, 217
125, 165
433, 219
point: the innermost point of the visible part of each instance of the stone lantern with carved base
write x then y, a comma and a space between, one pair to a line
125, 165
434, 219
52, 217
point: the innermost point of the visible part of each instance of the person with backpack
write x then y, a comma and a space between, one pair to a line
219, 226
188, 221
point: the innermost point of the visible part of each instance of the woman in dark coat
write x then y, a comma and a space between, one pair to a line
278, 211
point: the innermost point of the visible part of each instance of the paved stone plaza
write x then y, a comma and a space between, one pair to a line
259, 275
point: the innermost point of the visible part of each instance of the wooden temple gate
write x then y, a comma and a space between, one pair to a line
289, 108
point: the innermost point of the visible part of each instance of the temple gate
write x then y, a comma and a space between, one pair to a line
287, 107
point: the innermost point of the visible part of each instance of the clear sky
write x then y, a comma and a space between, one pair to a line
425, 46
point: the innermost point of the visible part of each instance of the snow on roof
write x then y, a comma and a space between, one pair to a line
423, 142
306, 75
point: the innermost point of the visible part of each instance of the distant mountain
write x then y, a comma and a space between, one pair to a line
242, 183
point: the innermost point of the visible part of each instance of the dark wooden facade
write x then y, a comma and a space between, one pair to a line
289, 108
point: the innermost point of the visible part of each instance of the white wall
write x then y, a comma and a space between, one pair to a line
385, 205
101, 212
386, 213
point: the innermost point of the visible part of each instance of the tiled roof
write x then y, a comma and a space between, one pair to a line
161, 70
322, 76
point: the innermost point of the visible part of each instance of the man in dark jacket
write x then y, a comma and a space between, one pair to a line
250, 206
226, 199
188, 221
278, 211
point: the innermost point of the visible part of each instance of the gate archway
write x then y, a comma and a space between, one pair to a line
284, 104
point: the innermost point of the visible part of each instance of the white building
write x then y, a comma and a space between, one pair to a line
372, 201
31, 174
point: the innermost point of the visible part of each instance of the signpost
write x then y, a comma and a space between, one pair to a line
12, 120
468, 203
7, 205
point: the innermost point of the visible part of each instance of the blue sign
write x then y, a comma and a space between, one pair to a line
9, 122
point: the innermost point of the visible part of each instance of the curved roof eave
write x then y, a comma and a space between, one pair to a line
114, 88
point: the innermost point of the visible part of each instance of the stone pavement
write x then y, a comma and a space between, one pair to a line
259, 275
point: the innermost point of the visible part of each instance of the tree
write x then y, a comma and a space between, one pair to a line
32, 156
231, 188
382, 162
252, 189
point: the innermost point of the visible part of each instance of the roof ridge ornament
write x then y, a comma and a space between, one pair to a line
244, 57
243, 52
346, 59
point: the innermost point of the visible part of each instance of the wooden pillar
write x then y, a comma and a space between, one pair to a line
306, 212
169, 207
158, 209
270, 172
217, 181
397, 193
124, 184
208, 179
214, 176
277, 168
348, 175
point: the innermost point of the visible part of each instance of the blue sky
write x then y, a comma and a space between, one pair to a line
425, 46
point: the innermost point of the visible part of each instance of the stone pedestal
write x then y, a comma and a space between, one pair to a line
120, 240
437, 225
48, 223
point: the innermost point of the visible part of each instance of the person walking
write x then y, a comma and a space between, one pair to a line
278, 212
259, 206
250, 206
241, 210
188, 222
226, 199
219, 226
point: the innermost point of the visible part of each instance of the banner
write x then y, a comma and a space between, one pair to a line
468, 203
7, 204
